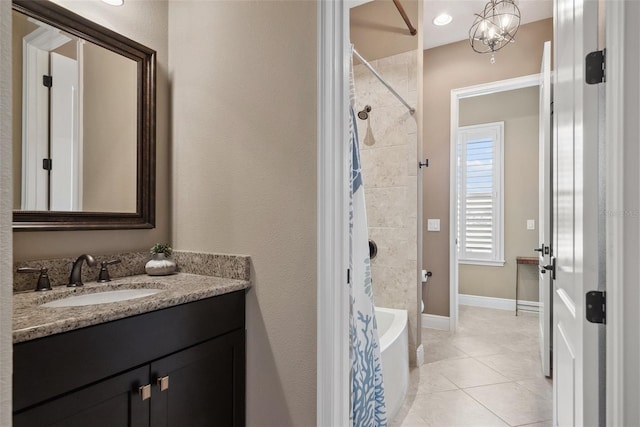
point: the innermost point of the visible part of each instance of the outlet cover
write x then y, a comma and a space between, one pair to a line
433, 225
531, 224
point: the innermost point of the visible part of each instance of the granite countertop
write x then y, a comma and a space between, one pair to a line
31, 321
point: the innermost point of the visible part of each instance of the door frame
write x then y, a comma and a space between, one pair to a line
620, 254
545, 210
457, 95
332, 341
333, 394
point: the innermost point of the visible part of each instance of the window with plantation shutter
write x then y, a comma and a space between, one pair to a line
480, 188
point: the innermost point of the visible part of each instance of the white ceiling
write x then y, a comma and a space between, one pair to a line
463, 12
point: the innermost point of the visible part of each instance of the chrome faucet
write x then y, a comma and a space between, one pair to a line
75, 278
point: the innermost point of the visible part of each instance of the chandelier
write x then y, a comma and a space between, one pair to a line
495, 27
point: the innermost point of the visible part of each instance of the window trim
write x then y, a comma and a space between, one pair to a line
497, 257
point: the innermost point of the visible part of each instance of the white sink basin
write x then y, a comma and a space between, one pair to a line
102, 297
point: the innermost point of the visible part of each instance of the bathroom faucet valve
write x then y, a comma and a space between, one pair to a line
75, 278
104, 272
43, 280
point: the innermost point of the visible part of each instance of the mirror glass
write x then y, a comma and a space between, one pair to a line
83, 123
74, 136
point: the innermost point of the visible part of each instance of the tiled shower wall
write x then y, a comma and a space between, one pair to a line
388, 144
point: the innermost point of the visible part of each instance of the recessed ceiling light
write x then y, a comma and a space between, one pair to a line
114, 2
440, 20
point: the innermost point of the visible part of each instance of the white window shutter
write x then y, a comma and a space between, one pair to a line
480, 193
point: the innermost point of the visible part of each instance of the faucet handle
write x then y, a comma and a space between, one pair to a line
43, 280
103, 276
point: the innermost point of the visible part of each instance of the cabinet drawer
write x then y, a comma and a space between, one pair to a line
48, 367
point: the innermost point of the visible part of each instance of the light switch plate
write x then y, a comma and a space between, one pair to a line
433, 225
531, 224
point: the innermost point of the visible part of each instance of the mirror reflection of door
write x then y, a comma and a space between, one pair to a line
76, 127
48, 53
65, 187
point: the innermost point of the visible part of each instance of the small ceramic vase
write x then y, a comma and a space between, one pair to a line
160, 265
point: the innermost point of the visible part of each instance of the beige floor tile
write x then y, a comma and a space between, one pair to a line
468, 372
454, 408
525, 344
441, 350
515, 366
543, 387
406, 416
513, 403
426, 380
542, 424
411, 419
503, 336
493, 355
431, 335
477, 346
408, 421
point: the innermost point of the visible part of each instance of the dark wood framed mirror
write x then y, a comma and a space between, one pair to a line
84, 150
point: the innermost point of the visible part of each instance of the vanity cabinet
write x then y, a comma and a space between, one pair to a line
180, 366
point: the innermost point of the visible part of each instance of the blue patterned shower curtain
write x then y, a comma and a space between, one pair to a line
367, 390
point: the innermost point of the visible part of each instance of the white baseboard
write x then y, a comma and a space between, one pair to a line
434, 321
497, 303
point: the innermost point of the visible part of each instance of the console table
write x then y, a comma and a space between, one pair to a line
526, 260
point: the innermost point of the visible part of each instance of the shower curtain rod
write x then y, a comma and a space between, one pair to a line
404, 15
375, 73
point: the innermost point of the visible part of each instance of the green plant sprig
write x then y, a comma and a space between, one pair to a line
161, 248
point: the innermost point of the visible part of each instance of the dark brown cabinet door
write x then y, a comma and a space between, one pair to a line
202, 386
109, 403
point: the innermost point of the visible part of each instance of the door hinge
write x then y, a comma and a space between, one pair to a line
596, 307
348, 275
47, 81
47, 164
595, 67
425, 164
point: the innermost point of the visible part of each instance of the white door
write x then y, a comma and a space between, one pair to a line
575, 207
544, 212
35, 128
64, 134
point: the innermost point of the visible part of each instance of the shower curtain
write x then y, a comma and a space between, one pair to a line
367, 390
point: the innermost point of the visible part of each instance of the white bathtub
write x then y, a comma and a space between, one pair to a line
394, 346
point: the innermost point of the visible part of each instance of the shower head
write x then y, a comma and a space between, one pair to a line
364, 114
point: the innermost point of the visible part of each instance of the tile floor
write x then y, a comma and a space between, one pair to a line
486, 374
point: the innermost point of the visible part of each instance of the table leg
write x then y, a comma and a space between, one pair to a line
517, 280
